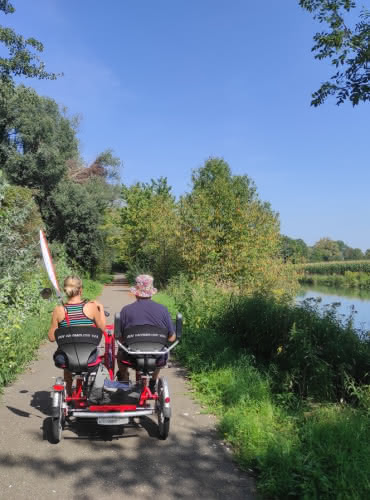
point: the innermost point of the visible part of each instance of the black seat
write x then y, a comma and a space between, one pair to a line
145, 338
77, 344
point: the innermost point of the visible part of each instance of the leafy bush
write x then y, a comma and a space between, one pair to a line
91, 289
257, 364
311, 350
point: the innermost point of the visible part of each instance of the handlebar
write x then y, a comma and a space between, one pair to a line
163, 351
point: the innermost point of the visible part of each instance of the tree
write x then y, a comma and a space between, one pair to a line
325, 250
353, 254
74, 214
20, 222
39, 150
37, 141
293, 250
347, 47
105, 166
149, 226
23, 58
226, 233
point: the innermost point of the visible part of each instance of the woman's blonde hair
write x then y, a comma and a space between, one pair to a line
72, 286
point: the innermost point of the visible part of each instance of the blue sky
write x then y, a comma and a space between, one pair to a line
168, 83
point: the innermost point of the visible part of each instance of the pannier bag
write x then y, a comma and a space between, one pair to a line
123, 393
96, 393
103, 391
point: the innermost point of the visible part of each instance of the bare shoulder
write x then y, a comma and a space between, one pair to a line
92, 305
59, 312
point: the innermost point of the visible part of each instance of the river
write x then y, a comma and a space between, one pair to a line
347, 297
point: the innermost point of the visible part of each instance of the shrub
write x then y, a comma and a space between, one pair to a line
258, 364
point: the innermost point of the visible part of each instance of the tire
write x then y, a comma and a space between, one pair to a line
55, 430
163, 420
56, 423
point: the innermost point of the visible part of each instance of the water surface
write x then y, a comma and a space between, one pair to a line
349, 299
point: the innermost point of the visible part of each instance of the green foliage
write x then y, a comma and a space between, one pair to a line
168, 301
324, 250
349, 279
20, 340
293, 250
324, 456
23, 58
347, 48
105, 278
298, 448
328, 268
251, 361
147, 240
73, 214
310, 349
37, 141
227, 234
91, 289
39, 149
20, 222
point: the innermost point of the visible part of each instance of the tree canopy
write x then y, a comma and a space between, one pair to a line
22, 53
227, 233
37, 140
347, 47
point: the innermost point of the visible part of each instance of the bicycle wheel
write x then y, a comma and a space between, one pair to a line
163, 409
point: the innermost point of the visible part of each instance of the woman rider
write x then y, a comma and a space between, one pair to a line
80, 313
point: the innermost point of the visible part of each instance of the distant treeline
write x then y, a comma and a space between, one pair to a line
324, 250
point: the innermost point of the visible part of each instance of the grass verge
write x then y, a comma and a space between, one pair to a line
298, 448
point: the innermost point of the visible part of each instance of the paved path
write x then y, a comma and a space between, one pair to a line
92, 463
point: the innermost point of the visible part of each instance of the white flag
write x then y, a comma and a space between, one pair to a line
49, 263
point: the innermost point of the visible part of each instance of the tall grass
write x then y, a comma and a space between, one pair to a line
272, 374
349, 279
334, 267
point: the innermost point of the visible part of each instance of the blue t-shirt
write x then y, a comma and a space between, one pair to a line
146, 312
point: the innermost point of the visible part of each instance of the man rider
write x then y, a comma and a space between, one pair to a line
144, 312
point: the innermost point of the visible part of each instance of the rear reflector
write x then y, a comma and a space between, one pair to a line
167, 400
58, 387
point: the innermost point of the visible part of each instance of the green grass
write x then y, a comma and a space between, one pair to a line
298, 448
168, 301
308, 452
19, 346
92, 289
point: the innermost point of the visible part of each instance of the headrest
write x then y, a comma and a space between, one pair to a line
145, 333
78, 335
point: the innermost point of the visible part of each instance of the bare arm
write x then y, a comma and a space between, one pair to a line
53, 325
99, 316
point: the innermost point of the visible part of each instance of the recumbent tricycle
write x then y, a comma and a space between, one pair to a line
96, 395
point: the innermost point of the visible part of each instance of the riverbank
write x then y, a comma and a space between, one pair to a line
350, 279
275, 376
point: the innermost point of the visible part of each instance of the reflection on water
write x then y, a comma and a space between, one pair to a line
348, 299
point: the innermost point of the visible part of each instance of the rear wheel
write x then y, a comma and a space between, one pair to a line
55, 430
57, 420
163, 409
